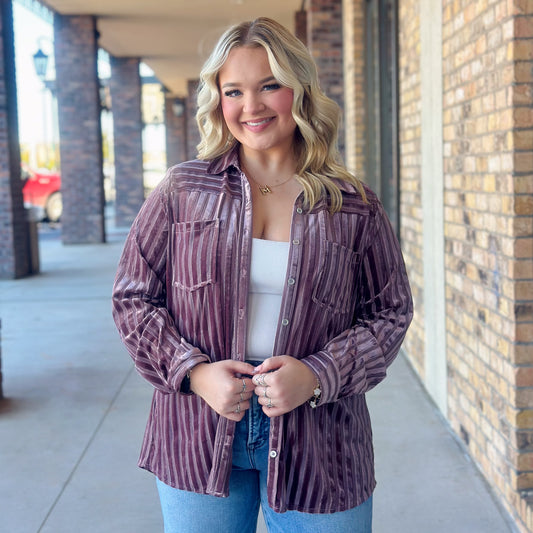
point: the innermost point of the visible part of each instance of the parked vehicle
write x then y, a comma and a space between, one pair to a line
42, 191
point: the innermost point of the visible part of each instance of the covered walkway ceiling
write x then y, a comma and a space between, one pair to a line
173, 37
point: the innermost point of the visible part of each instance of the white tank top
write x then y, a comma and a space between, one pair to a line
267, 279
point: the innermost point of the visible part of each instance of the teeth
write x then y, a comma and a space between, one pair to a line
258, 123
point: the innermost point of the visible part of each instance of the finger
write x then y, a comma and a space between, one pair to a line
262, 392
270, 364
258, 369
244, 385
245, 396
273, 411
238, 407
266, 401
260, 380
240, 367
272, 408
236, 417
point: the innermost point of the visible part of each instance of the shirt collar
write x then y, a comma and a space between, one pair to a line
225, 161
344, 186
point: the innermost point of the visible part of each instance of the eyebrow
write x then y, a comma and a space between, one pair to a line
264, 80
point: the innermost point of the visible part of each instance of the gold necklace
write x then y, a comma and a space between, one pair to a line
265, 189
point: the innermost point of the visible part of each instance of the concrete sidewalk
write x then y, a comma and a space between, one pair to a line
74, 411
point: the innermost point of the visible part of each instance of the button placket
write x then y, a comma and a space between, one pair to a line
291, 280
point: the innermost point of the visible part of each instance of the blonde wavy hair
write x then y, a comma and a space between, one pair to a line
317, 116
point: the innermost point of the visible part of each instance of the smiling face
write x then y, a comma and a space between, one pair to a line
256, 108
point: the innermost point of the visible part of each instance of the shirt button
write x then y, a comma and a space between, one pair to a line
290, 281
299, 210
285, 322
273, 454
296, 241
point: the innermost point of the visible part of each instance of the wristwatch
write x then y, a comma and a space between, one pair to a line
313, 402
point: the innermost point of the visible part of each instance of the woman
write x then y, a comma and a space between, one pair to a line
262, 292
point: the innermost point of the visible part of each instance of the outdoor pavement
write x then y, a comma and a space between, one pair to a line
74, 411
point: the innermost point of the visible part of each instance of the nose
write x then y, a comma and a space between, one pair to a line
253, 104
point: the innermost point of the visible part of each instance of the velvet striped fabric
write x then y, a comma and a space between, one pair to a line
180, 298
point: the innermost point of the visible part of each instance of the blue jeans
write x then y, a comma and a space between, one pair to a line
187, 512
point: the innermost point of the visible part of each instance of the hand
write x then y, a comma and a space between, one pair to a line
221, 386
286, 384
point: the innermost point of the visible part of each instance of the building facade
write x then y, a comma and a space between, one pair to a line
465, 209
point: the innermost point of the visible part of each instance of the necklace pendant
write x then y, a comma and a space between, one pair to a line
265, 189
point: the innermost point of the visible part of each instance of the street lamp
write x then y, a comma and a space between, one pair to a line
40, 62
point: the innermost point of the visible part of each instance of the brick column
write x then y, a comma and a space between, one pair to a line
125, 87
176, 131
325, 42
193, 135
354, 85
82, 179
14, 234
300, 25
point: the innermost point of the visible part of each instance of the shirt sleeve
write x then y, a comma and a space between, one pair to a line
356, 360
161, 355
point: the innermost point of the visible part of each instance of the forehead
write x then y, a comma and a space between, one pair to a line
245, 63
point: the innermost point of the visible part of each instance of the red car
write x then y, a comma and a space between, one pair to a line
42, 190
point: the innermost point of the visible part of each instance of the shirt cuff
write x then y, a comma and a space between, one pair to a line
323, 366
184, 366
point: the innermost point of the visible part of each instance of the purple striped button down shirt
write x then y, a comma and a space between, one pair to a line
180, 298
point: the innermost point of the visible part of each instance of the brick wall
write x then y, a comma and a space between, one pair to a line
176, 132
488, 123
125, 85
14, 235
324, 40
410, 172
487, 50
79, 129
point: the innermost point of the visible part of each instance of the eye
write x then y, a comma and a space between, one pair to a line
271, 87
232, 93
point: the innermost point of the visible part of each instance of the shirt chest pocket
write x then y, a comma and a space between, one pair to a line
195, 246
335, 284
